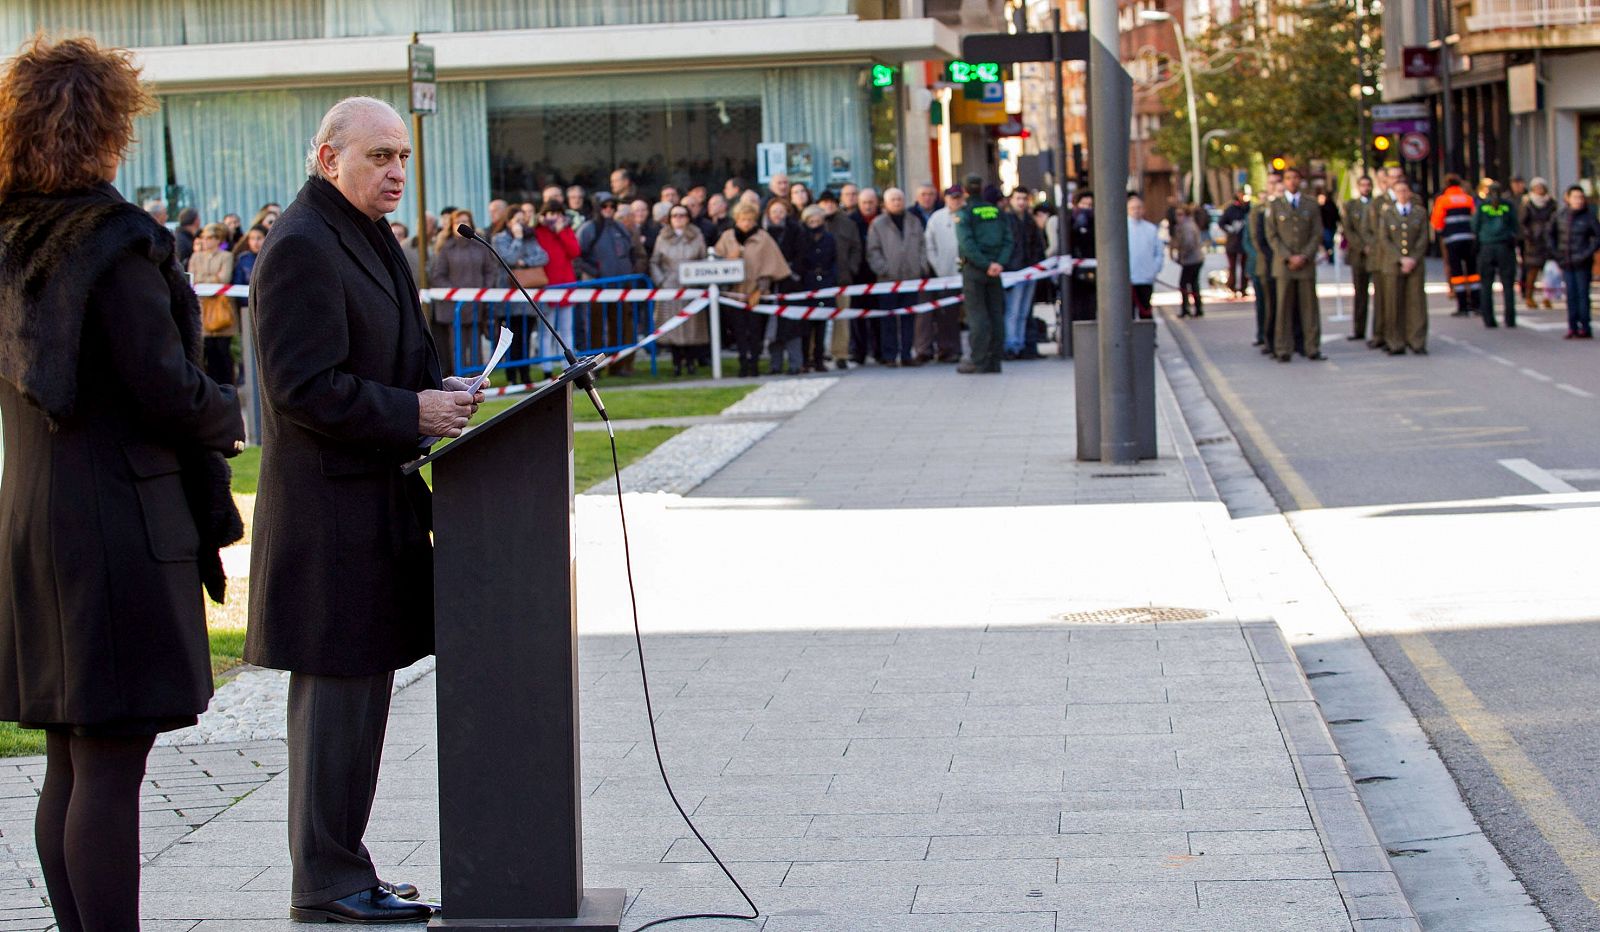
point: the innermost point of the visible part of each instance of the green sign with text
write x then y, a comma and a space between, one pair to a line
973, 72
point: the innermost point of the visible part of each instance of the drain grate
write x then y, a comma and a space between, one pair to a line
1137, 615
1126, 475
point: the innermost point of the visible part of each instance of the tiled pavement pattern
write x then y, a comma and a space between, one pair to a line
899, 438
1088, 778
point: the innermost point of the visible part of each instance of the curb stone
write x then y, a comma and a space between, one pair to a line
1366, 880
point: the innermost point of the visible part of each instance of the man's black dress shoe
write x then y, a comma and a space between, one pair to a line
405, 891
369, 907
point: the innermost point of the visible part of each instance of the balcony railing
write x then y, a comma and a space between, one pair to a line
1531, 14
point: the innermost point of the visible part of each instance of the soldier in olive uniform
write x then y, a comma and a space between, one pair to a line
1405, 243
1294, 231
983, 241
1358, 235
1266, 285
1383, 324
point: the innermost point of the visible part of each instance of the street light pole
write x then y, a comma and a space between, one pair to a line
1158, 16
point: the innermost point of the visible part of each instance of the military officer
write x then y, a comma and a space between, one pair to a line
1405, 241
1266, 285
1382, 205
1358, 236
1294, 231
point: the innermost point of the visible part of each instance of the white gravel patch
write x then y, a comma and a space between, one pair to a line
781, 397
688, 459
252, 707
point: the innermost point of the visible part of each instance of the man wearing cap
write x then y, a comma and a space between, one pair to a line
983, 240
944, 258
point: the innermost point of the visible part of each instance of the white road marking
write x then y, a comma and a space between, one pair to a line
1574, 390
1446, 338
1577, 475
1539, 477
1540, 325
1502, 360
1536, 375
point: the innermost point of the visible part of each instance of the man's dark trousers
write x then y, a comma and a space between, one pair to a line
336, 729
1498, 260
1361, 277
985, 299
1267, 310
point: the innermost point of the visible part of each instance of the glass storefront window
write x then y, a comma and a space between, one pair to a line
1589, 152
678, 142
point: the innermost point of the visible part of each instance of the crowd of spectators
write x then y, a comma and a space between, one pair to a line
791, 238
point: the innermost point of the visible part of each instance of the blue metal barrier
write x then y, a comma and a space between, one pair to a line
599, 327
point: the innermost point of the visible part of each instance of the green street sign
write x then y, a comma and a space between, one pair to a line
424, 78
973, 72
883, 75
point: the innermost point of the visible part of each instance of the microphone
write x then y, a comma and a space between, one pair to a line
585, 381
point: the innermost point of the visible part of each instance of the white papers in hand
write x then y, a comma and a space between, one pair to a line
500, 350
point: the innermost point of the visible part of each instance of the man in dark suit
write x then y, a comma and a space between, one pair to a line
341, 566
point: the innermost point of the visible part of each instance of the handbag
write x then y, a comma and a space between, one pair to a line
216, 315
534, 277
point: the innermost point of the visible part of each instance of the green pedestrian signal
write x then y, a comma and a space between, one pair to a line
883, 76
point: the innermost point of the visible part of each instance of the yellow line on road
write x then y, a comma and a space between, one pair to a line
1297, 487
1571, 839
1566, 834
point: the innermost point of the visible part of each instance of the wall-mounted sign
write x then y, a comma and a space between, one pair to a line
1414, 147
1400, 112
883, 76
1419, 61
424, 79
1522, 88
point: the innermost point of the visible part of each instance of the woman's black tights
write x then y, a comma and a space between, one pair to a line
87, 830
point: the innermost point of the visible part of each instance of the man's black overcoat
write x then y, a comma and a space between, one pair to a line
341, 568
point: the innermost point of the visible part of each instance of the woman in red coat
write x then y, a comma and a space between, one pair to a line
561, 243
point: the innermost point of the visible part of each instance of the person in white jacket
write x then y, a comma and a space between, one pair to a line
1145, 255
938, 334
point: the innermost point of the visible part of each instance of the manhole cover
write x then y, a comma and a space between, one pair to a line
1139, 615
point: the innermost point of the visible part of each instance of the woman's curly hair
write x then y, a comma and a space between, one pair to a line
66, 114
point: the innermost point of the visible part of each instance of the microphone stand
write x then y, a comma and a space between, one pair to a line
584, 381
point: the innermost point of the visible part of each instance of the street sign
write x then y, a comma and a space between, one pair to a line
1024, 46
424, 79
1396, 127
883, 76
1400, 112
711, 272
1414, 147
988, 93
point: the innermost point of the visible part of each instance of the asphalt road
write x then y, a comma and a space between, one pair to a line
1452, 502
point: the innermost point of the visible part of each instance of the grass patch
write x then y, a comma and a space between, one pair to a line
246, 470
643, 403
225, 627
591, 452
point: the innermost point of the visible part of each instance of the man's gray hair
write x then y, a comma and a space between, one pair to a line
335, 128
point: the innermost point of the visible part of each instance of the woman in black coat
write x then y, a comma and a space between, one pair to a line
115, 501
818, 268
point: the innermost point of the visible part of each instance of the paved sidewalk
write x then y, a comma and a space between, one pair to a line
906, 681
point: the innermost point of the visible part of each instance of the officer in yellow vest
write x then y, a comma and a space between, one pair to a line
1294, 231
1405, 244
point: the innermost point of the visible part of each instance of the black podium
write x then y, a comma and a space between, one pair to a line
510, 794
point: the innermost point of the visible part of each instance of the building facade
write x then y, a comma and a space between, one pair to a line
1524, 84
531, 92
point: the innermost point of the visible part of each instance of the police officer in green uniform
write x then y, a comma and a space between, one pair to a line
1357, 211
983, 240
1294, 231
1405, 244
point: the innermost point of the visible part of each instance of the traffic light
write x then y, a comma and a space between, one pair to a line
1381, 146
1279, 163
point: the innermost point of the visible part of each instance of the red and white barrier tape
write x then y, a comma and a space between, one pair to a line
828, 312
670, 324
563, 296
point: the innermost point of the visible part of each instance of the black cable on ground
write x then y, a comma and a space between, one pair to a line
655, 743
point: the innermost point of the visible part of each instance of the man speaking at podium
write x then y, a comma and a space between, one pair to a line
341, 578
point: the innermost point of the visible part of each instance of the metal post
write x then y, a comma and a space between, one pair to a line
1063, 316
1447, 105
422, 194
1110, 113
715, 322
1194, 116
